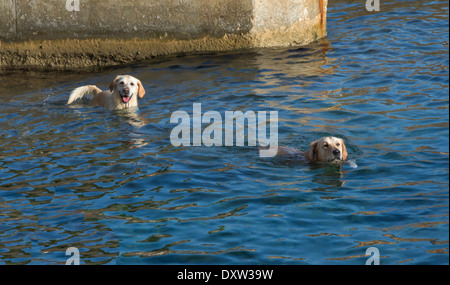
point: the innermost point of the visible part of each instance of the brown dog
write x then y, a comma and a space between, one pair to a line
123, 93
326, 149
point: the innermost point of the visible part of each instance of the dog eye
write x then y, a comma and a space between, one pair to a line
132, 84
338, 144
325, 145
121, 83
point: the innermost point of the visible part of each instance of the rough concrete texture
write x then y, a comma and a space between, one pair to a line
287, 22
45, 34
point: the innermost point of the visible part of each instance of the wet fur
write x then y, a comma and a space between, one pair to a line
326, 149
112, 99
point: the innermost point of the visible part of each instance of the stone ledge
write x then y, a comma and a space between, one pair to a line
139, 30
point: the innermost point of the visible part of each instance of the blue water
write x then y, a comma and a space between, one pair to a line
112, 185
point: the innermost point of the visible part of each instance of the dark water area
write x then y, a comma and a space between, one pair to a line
112, 185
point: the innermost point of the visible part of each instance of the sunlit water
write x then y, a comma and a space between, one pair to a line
112, 185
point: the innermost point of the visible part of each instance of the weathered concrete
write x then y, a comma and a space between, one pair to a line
8, 22
45, 34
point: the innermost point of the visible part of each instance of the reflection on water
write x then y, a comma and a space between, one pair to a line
112, 185
328, 175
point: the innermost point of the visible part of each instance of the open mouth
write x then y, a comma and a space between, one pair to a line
125, 98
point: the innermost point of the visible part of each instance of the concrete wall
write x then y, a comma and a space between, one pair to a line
7, 19
49, 19
62, 34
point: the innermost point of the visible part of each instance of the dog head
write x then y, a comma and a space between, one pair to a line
127, 88
327, 149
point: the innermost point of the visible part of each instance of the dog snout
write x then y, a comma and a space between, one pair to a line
126, 90
336, 152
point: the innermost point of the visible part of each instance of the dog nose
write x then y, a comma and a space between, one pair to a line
126, 90
336, 152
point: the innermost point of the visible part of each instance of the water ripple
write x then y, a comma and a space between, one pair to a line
112, 185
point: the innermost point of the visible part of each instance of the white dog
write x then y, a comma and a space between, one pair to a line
123, 93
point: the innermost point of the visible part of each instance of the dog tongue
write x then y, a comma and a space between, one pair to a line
125, 99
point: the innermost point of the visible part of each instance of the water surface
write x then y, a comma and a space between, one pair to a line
112, 185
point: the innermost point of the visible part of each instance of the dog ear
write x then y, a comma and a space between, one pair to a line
141, 90
113, 83
344, 151
311, 153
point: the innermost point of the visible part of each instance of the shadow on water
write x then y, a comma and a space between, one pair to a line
328, 175
325, 174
